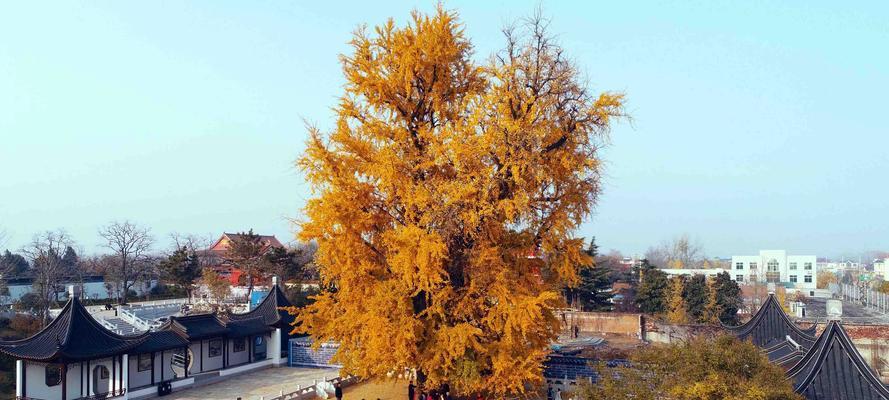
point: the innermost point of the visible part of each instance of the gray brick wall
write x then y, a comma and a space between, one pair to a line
301, 353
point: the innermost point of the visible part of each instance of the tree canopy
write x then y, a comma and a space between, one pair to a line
593, 293
651, 295
182, 268
445, 201
701, 369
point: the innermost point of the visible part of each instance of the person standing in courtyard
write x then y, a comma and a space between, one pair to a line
411, 390
338, 391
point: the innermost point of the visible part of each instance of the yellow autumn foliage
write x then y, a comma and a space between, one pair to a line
677, 310
442, 174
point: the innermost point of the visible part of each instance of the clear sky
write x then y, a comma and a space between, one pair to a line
756, 124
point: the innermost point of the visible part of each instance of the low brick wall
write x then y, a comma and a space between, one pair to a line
661, 332
599, 323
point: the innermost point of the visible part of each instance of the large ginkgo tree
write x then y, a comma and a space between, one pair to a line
445, 202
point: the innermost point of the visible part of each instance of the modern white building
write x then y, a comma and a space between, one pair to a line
708, 272
776, 266
881, 267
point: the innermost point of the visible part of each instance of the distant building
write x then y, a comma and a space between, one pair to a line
836, 267
671, 272
881, 267
628, 263
216, 254
93, 287
776, 266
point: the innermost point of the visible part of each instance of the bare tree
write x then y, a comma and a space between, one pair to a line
45, 253
130, 245
3, 236
679, 252
190, 242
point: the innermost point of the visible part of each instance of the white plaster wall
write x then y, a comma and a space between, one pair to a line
165, 362
210, 363
36, 380
239, 357
139, 379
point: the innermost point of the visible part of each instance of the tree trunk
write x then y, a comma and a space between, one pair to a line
249, 286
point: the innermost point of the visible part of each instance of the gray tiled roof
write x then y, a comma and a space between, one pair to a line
72, 336
198, 326
268, 310
160, 341
834, 369
771, 325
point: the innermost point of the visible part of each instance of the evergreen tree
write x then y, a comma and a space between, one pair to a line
182, 268
286, 264
728, 298
696, 296
651, 295
245, 253
593, 292
13, 265
70, 259
676, 307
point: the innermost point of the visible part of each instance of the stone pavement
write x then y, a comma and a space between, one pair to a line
250, 386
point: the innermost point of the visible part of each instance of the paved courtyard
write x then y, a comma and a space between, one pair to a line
266, 382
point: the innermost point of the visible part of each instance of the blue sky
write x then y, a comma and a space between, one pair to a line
755, 124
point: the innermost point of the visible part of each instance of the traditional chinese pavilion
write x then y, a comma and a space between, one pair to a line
75, 357
829, 367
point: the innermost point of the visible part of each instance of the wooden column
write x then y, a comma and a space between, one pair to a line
113, 374
24, 379
201, 345
186, 361
249, 345
152, 366
64, 381
88, 380
162, 365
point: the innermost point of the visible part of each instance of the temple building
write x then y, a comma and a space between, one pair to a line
216, 254
829, 367
75, 357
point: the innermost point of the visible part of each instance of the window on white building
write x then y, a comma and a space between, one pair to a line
793, 278
739, 265
807, 266
773, 265
793, 266
808, 278
739, 278
753, 265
